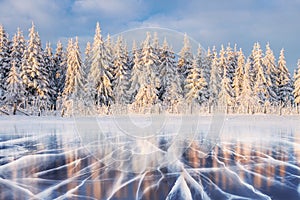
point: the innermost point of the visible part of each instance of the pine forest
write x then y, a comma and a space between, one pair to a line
149, 78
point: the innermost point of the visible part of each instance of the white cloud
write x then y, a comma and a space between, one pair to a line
209, 22
46, 14
109, 9
241, 22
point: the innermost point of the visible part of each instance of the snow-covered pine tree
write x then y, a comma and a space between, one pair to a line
247, 100
167, 63
5, 58
226, 94
87, 58
204, 73
195, 88
109, 46
215, 79
51, 73
271, 75
17, 51
131, 55
185, 59
155, 42
101, 72
285, 85
136, 71
228, 64
222, 62
74, 86
14, 88
157, 50
90, 90
18, 48
147, 95
60, 69
296, 91
205, 63
239, 76
122, 73
170, 91
67, 103
34, 73
231, 63
250, 60
260, 82
89, 96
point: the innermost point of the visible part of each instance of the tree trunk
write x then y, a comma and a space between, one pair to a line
280, 110
14, 109
62, 112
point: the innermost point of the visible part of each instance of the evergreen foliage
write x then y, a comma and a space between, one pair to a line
150, 78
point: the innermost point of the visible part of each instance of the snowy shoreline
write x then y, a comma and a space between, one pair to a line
226, 116
231, 123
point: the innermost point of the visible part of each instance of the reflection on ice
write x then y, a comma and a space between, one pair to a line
50, 160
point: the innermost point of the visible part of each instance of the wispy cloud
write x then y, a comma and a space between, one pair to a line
210, 22
108, 9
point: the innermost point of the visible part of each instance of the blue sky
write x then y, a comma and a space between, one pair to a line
211, 23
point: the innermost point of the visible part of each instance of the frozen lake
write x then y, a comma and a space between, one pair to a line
173, 157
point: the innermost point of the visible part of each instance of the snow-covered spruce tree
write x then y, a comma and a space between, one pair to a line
89, 96
226, 94
231, 65
250, 60
155, 42
101, 72
14, 88
260, 82
195, 87
239, 77
5, 49
166, 62
222, 62
109, 46
87, 59
69, 72
214, 82
285, 85
122, 73
90, 90
296, 91
157, 50
17, 51
147, 95
131, 55
271, 75
60, 68
232, 60
34, 73
171, 93
18, 48
136, 71
204, 73
205, 63
247, 100
51, 73
185, 59
74, 84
